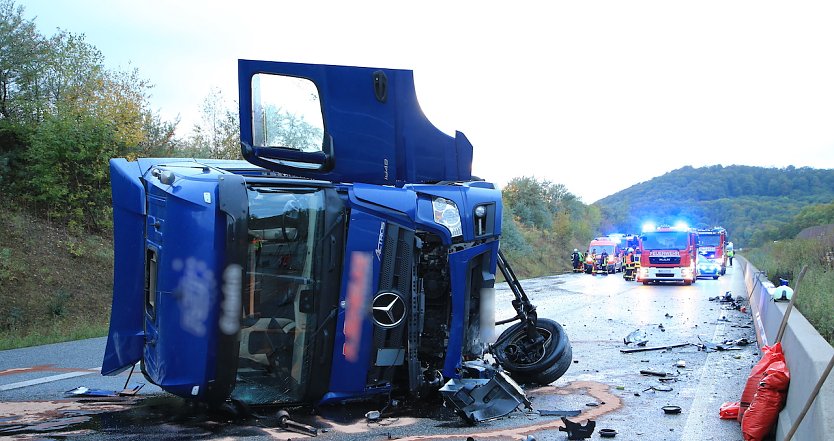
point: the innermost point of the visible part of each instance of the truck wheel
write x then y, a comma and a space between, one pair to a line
543, 363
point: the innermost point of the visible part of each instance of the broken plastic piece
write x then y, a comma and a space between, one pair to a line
477, 399
82, 391
577, 431
607, 433
637, 337
671, 410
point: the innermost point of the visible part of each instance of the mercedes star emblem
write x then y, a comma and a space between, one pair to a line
388, 310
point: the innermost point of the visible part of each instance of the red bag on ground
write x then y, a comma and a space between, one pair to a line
770, 355
729, 410
760, 419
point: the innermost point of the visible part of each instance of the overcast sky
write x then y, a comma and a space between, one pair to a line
595, 95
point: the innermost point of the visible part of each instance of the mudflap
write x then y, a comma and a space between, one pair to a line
483, 399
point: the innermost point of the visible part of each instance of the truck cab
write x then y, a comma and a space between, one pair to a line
350, 255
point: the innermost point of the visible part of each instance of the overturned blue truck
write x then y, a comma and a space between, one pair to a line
352, 254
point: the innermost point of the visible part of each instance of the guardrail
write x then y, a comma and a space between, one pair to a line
807, 355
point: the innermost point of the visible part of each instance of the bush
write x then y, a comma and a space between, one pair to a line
785, 259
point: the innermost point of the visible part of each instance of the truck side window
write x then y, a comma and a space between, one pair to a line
286, 112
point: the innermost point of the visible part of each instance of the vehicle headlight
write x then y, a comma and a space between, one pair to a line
446, 213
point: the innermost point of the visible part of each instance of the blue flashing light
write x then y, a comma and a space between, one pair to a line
681, 225
649, 226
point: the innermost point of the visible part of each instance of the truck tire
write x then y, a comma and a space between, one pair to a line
545, 366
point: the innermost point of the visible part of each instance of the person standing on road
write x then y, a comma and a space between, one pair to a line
730, 255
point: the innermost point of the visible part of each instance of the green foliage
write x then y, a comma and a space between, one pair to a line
217, 135
814, 298
63, 115
57, 306
542, 222
753, 203
68, 169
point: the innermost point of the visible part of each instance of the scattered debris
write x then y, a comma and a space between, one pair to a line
681, 364
637, 337
658, 389
577, 431
82, 391
288, 424
671, 410
667, 316
559, 413
660, 326
607, 433
709, 346
372, 415
653, 373
654, 348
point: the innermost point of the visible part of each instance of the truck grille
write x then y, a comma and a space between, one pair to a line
395, 276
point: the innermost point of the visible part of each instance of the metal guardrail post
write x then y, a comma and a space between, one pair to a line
811, 399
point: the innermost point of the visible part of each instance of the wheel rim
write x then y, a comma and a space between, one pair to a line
522, 352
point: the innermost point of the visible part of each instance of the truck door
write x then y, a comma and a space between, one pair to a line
344, 124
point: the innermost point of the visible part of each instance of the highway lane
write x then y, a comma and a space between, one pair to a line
596, 311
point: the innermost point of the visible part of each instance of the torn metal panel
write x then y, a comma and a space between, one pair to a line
478, 399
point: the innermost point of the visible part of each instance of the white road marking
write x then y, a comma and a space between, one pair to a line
51, 378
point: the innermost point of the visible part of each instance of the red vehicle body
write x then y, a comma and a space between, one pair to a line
668, 255
712, 244
593, 259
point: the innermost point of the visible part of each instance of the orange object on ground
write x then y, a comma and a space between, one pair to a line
770, 355
760, 419
729, 410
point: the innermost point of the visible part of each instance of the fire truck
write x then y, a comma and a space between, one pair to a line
668, 254
712, 249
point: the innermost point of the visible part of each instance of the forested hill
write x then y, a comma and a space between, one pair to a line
753, 203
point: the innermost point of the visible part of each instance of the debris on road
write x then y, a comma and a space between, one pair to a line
658, 389
638, 337
607, 433
654, 348
654, 373
577, 431
288, 424
82, 391
671, 410
559, 413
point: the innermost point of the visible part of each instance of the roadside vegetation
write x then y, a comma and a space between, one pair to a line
815, 296
54, 285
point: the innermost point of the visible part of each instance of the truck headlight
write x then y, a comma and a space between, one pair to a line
446, 213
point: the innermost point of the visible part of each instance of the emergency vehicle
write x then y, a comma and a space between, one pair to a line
668, 254
712, 250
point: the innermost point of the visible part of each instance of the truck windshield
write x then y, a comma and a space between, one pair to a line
284, 228
666, 240
710, 240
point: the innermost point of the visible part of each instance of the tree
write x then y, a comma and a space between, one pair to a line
22, 55
217, 135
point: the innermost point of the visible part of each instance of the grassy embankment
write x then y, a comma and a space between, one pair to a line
54, 286
815, 298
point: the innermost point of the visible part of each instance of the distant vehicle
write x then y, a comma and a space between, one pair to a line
712, 249
668, 254
613, 262
360, 263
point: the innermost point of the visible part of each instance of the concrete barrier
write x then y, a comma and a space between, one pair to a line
807, 354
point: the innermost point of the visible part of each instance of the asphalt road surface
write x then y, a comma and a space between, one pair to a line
603, 384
